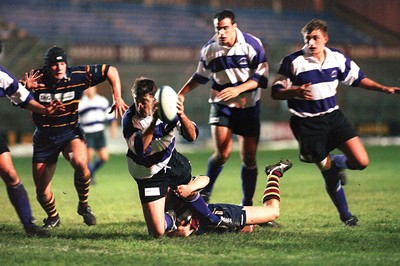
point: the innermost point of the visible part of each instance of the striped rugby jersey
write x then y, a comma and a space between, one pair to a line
94, 113
232, 66
142, 163
69, 91
12, 89
300, 68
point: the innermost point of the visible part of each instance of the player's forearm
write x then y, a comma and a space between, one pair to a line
188, 87
284, 94
115, 82
36, 107
247, 86
188, 128
370, 84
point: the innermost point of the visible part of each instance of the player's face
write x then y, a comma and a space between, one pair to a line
226, 31
316, 41
145, 105
58, 70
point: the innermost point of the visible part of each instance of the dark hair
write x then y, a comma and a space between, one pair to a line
315, 24
53, 55
143, 86
226, 13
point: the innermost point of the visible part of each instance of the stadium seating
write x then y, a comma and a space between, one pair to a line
124, 23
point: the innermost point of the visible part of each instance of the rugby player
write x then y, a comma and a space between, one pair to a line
61, 132
236, 64
308, 80
154, 162
234, 218
20, 96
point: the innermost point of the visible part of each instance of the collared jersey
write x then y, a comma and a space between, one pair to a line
301, 68
232, 66
69, 91
143, 163
12, 89
94, 113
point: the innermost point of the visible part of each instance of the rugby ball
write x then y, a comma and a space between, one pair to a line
166, 107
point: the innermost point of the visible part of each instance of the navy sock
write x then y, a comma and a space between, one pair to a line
199, 206
169, 222
336, 192
340, 160
19, 199
213, 172
249, 181
93, 167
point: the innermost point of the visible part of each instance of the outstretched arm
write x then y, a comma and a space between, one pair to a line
119, 105
188, 87
370, 84
36, 107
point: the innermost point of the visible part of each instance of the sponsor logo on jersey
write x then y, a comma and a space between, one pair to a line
63, 97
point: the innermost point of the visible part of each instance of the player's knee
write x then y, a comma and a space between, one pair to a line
360, 164
157, 233
10, 178
275, 213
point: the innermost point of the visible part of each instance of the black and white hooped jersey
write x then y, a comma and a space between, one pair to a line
144, 163
233, 66
12, 89
301, 68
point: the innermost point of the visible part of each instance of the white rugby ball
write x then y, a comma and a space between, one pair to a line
167, 99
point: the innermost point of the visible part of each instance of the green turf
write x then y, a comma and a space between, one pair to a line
310, 232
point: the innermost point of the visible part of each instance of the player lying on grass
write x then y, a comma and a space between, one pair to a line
153, 160
233, 218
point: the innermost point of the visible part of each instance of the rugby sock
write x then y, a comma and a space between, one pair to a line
213, 172
249, 181
82, 184
19, 199
340, 160
271, 190
199, 206
97, 164
49, 206
336, 192
169, 222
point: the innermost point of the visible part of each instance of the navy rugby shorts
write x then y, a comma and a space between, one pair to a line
96, 140
318, 136
178, 172
242, 121
47, 146
3, 146
234, 213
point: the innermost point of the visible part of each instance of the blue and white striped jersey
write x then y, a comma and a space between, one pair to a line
232, 66
12, 89
143, 163
94, 113
301, 68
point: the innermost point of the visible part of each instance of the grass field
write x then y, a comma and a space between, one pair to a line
310, 232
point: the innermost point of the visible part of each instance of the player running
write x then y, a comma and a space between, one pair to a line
236, 64
61, 132
308, 80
